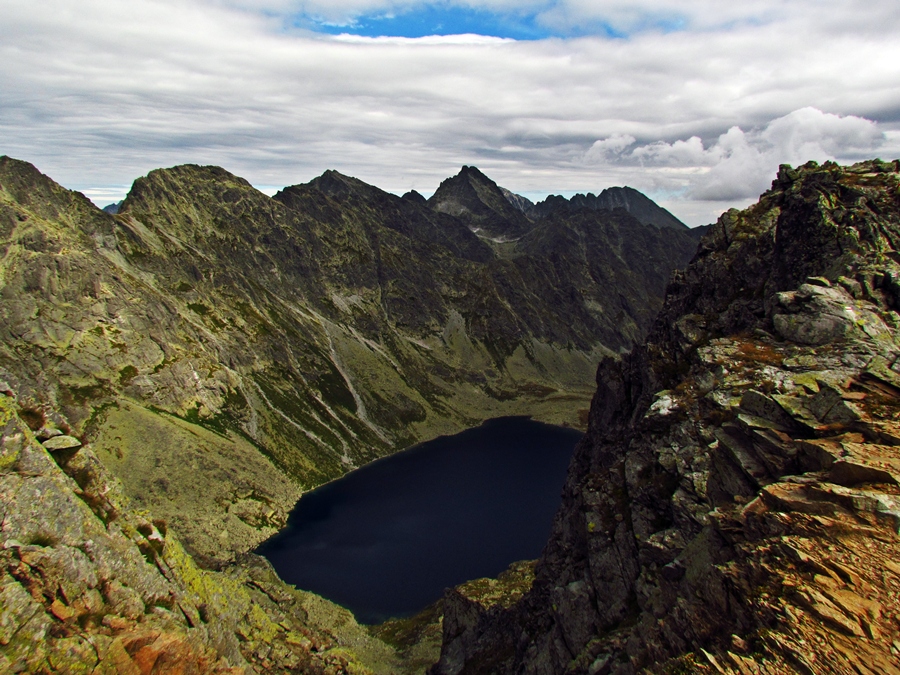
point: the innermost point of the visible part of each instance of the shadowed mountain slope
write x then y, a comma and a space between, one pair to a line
480, 203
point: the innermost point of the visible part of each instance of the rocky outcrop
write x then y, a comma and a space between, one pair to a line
734, 507
89, 585
224, 351
497, 214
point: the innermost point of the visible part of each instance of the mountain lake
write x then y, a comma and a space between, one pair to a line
387, 539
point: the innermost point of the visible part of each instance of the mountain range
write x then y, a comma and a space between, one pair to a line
177, 370
174, 375
270, 344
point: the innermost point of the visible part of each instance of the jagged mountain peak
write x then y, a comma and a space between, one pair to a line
11, 166
415, 196
474, 172
473, 197
169, 187
185, 173
524, 204
25, 182
198, 203
639, 205
469, 182
336, 184
35, 194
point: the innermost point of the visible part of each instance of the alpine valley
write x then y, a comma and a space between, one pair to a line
198, 360
175, 375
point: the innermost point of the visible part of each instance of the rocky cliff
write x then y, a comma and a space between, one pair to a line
735, 505
481, 204
499, 215
224, 351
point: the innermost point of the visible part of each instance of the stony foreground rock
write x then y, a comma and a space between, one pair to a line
89, 585
735, 505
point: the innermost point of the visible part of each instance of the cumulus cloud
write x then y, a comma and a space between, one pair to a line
679, 153
741, 164
609, 148
811, 134
99, 93
739, 169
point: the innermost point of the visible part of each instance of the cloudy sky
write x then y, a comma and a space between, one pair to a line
695, 102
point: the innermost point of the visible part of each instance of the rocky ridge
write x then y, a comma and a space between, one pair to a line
223, 351
481, 204
628, 199
735, 505
500, 215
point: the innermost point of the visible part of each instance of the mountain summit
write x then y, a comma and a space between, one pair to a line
481, 203
501, 215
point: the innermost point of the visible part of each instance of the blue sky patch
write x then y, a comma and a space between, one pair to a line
436, 20
448, 19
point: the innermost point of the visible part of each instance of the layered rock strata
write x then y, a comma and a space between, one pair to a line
734, 507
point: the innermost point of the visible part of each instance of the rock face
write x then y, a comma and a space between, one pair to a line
501, 215
735, 505
223, 351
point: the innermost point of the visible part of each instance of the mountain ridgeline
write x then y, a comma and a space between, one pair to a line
224, 351
500, 213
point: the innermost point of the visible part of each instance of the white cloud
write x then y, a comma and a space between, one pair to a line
679, 153
609, 148
98, 92
741, 165
810, 134
740, 170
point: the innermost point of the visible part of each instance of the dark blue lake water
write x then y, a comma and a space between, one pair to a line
386, 540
